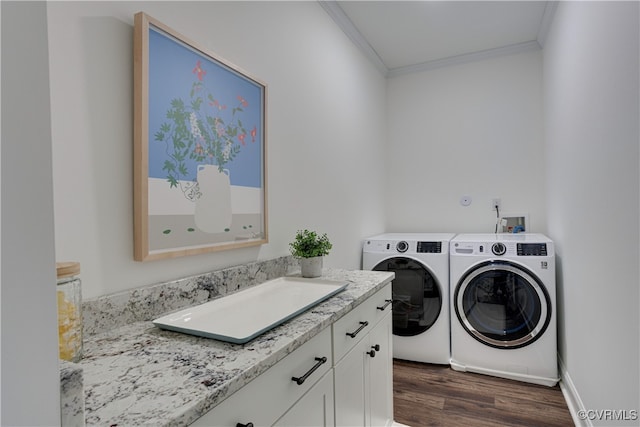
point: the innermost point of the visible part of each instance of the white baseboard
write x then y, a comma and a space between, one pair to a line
571, 396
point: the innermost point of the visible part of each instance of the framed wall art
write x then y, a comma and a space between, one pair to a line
199, 148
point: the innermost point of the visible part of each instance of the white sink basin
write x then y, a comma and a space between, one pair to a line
242, 316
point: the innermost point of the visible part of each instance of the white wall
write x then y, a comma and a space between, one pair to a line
457, 129
591, 110
30, 377
471, 129
326, 131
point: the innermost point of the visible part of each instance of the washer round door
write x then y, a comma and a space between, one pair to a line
417, 296
502, 305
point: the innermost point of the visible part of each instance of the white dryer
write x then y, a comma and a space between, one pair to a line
503, 306
420, 291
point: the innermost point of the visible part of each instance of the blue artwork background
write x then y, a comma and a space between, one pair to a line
171, 76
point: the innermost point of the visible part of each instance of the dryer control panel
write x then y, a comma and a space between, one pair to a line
403, 246
429, 247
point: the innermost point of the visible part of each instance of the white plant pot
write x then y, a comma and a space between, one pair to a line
311, 267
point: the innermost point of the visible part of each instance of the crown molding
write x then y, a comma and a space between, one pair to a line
547, 19
337, 14
465, 58
334, 10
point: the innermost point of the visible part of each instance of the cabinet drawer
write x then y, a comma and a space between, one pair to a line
350, 329
270, 395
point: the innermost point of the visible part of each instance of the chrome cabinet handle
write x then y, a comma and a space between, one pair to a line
386, 304
302, 379
354, 333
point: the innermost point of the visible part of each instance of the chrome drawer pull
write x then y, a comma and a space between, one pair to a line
354, 333
300, 380
387, 302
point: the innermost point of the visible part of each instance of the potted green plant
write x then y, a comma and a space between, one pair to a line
309, 247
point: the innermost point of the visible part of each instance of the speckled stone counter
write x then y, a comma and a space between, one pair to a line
137, 374
112, 311
71, 394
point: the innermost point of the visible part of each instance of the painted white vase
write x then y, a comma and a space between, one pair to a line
213, 208
311, 267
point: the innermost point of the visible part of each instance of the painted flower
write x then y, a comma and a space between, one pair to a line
243, 101
241, 138
216, 104
226, 151
199, 71
195, 130
253, 134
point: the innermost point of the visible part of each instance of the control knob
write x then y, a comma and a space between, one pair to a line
498, 248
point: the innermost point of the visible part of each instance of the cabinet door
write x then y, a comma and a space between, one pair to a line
350, 399
314, 408
265, 399
381, 375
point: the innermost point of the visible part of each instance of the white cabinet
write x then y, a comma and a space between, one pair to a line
381, 375
363, 368
265, 399
356, 392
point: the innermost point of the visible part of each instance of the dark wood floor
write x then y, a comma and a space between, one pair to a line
436, 395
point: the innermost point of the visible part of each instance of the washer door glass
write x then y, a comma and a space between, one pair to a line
417, 299
502, 305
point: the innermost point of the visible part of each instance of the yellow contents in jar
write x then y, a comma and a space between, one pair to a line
69, 329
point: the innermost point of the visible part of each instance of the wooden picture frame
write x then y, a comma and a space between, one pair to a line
200, 181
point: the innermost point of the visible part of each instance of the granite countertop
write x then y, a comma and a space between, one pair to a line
138, 374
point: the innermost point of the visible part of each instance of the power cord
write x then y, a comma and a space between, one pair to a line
497, 218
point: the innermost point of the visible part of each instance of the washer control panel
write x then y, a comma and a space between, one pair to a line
532, 249
500, 248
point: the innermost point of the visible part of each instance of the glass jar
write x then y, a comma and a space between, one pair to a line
69, 311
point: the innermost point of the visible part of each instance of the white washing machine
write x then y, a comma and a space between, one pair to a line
503, 306
420, 291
